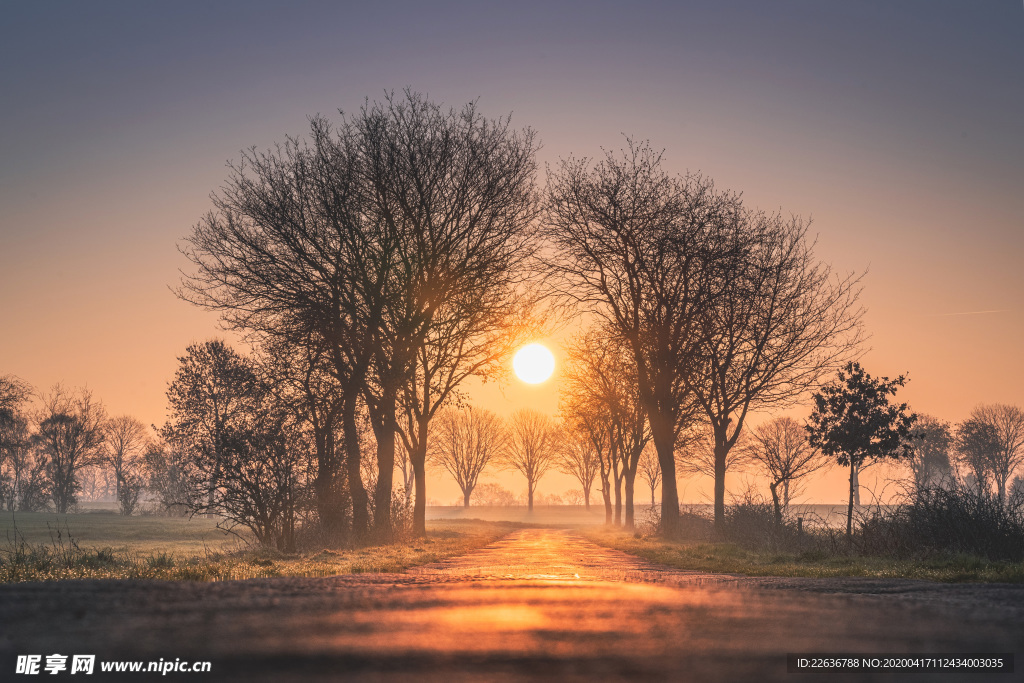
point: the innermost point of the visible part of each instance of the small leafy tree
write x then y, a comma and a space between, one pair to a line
855, 422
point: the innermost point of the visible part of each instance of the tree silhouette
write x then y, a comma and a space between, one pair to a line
532, 448
467, 441
638, 249
70, 434
854, 422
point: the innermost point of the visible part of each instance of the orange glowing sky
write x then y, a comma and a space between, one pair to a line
900, 131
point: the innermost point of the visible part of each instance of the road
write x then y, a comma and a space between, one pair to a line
540, 604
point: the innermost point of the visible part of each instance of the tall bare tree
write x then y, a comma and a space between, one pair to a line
124, 446
637, 248
533, 442
69, 434
1008, 422
467, 441
781, 448
780, 322
366, 235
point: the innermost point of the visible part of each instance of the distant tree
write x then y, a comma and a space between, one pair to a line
124, 453
579, 458
781, 448
69, 435
494, 495
1008, 422
930, 462
977, 446
23, 483
854, 422
649, 469
466, 442
532, 449
600, 381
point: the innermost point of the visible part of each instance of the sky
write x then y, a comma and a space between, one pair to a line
898, 128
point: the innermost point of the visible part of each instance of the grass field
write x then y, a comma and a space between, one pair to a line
45, 546
733, 559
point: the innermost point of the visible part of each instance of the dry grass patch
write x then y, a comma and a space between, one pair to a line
61, 555
731, 558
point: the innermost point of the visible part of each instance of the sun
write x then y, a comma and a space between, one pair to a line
533, 363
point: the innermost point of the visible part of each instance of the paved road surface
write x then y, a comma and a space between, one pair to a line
540, 604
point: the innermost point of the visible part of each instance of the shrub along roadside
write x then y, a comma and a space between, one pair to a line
947, 534
62, 558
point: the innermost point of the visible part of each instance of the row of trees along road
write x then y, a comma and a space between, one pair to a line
396, 251
721, 309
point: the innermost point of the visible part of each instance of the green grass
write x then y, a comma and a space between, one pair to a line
730, 558
93, 546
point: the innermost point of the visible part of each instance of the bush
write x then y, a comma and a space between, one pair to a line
946, 520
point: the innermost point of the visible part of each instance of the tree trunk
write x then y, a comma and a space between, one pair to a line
855, 495
465, 498
529, 496
720, 453
586, 499
385, 433
418, 459
360, 501
630, 522
618, 501
774, 486
664, 444
849, 509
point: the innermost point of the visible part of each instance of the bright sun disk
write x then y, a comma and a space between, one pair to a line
533, 363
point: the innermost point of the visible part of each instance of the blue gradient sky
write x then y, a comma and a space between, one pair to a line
900, 130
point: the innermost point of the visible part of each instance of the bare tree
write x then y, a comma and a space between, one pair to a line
69, 434
1008, 422
638, 249
467, 441
781, 448
124, 452
649, 469
579, 458
977, 447
780, 322
930, 463
367, 235
532, 450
